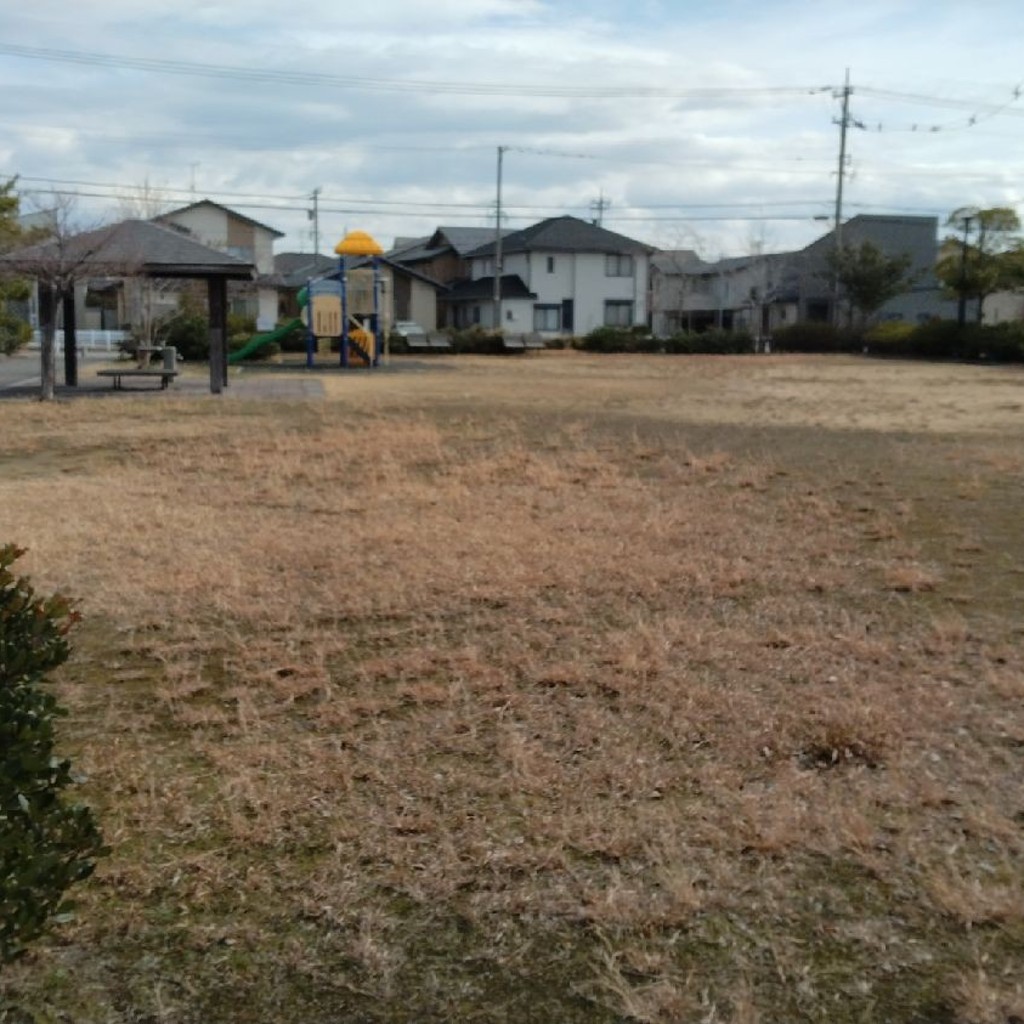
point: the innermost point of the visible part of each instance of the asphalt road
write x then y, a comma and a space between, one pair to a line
21, 369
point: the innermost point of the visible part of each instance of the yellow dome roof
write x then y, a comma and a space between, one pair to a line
358, 243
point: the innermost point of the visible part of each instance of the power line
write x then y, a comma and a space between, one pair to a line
124, 190
379, 84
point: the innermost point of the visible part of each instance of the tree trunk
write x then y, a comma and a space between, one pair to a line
48, 333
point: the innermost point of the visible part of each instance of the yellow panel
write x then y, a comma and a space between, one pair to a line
327, 316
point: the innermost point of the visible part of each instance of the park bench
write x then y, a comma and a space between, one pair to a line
521, 342
165, 376
166, 372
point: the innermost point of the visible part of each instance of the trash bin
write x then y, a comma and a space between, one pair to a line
170, 354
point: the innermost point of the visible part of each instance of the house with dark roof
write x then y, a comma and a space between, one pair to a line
444, 254
220, 227
763, 292
560, 276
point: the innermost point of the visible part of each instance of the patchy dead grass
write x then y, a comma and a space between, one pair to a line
530, 690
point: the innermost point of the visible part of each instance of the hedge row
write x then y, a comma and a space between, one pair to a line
945, 339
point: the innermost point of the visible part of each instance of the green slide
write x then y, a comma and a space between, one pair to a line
256, 343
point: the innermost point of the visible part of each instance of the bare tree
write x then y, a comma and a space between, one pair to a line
141, 202
55, 263
673, 277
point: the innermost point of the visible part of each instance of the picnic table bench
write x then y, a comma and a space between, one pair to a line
165, 375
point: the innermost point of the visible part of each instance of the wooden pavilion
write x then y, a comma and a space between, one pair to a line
130, 248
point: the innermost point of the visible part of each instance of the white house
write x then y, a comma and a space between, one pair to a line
232, 232
561, 276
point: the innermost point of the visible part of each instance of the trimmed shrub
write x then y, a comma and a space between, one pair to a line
620, 339
893, 337
189, 333
1001, 342
945, 339
14, 333
476, 341
241, 324
714, 342
47, 843
815, 337
294, 340
937, 339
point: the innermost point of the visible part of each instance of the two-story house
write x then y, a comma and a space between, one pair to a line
764, 292
561, 276
229, 231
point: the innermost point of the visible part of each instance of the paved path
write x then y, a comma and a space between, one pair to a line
19, 378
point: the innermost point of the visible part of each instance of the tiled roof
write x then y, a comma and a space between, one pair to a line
464, 240
137, 247
396, 267
512, 287
459, 240
294, 269
565, 234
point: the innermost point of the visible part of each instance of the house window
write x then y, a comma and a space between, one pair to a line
476, 314
551, 264
618, 313
618, 264
547, 318
244, 305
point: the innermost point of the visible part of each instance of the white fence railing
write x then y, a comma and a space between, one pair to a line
87, 341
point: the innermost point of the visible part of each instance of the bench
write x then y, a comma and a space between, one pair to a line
166, 376
521, 342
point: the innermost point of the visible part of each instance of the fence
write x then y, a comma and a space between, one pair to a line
88, 341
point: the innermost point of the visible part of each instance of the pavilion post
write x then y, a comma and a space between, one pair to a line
217, 299
70, 340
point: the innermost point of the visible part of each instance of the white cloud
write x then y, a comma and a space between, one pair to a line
116, 124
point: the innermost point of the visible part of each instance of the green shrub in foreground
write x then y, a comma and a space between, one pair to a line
47, 843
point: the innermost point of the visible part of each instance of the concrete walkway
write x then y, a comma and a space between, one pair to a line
19, 379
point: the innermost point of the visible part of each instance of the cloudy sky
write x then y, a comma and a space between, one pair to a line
708, 125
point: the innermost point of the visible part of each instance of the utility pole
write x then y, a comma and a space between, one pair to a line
599, 205
314, 216
844, 124
497, 245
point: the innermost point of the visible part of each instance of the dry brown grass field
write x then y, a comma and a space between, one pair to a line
553, 689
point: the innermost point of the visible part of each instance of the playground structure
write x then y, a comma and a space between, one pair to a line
328, 310
333, 300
